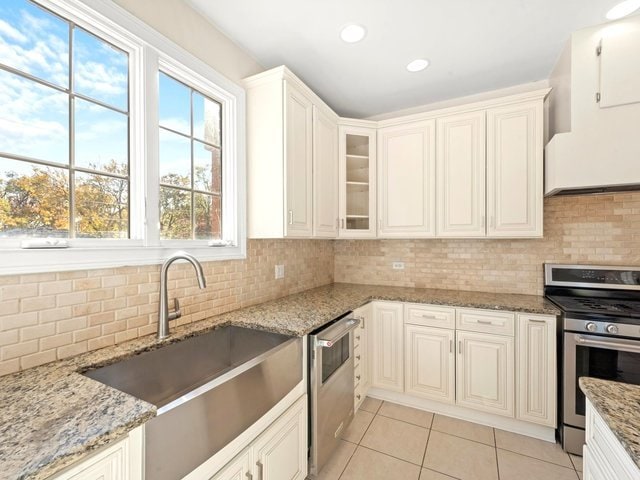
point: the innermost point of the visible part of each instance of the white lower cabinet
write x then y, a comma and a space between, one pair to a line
536, 369
387, 359
604, 456
120, 461
430, 363
279, 453
238, 469
485, 372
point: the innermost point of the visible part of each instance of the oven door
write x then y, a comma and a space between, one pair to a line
608, 358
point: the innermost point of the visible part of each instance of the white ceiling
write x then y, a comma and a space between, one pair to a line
473, 45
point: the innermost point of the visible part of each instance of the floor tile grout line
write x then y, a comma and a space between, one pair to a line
347, 462
464, 438
536, 458
495, 451
403, 421
392, 456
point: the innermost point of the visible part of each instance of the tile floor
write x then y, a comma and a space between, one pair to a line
391, 442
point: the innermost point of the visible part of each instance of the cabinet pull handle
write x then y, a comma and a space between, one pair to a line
357, 357
450, 346
460, 347
357, 337
430, 317
342, 221
535, 320
358, 396
260, 469
290, 217
249, 476
357, 377
485, 322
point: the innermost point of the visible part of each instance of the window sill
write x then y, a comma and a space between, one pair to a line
16, 261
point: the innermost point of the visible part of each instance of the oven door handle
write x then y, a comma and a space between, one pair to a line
343, 328
617, 344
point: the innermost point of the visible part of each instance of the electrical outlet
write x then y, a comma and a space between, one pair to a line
398, 265
279, 271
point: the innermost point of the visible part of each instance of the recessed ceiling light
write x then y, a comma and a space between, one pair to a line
418, 65
623, 9
353, 33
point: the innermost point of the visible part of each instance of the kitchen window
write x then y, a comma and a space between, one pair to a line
114, 143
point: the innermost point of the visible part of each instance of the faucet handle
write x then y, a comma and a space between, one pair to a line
177, 313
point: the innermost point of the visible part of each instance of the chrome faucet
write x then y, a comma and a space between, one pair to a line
164, 315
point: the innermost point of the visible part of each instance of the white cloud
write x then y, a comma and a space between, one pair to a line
8, 31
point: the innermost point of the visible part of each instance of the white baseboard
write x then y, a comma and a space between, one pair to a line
547, 434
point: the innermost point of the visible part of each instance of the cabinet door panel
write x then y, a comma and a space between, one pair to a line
484, 372
536, 369
429, 363
238, 469
514, 170
298, 161
387, 355
406, 180
325, 174
460, 170
281, 451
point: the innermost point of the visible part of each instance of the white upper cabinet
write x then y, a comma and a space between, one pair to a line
286, 141
325, 173
460, 170
471, 171
357, 181
406, 180
620, 69
298, 162
514, 170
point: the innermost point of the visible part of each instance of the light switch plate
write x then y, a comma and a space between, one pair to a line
279, 271
398, 265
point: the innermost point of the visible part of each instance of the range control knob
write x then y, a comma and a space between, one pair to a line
590, 327
612, 329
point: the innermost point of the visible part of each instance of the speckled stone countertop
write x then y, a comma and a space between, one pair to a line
619, 406
51, 416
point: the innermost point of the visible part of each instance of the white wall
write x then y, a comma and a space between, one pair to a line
176, 20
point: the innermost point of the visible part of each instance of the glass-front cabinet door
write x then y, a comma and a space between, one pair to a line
357, 181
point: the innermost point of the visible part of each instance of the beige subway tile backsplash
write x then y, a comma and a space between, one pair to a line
44, 317
599, 229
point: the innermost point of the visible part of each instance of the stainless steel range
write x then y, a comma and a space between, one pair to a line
600, 335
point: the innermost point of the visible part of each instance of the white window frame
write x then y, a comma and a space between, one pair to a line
149, 52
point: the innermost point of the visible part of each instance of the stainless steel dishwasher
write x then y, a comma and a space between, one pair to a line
330, 387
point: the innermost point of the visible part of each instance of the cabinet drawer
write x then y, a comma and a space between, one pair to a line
603, 444
430, 316
487, 321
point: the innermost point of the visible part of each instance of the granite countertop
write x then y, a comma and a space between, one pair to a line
619, 406
52, 416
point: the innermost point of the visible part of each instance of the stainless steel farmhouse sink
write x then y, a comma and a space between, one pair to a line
208, 390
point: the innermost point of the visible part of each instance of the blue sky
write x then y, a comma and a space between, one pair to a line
34, 118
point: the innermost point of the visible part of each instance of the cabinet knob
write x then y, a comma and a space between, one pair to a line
357, 337
358, 396
358, 357
357, 377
